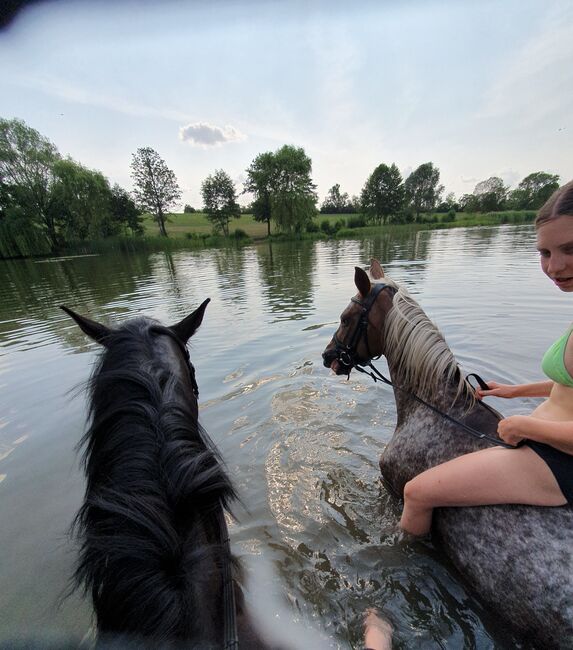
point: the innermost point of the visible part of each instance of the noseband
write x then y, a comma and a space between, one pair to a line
347, 354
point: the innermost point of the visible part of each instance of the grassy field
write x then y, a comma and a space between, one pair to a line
181, 224
184, 225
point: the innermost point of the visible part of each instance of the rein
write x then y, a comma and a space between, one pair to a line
347, 356
378, 376
230, 634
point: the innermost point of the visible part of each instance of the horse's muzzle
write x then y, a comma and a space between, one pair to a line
331, 359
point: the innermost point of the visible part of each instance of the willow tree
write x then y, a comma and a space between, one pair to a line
155, 186
27, 161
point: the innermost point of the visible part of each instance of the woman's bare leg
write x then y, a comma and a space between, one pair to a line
377, 632
485, 477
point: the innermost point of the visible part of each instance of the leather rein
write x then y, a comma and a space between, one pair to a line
230, 634
347, 356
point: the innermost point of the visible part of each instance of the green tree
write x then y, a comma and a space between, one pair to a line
156, 189
449, 203
336, 202
422, 189
383, 194
491, 194
283, 189
293, 201
220, 200
260, 182
534, 190
26, 162
80, 202
124, 211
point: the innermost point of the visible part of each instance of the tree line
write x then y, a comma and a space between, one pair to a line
48, 201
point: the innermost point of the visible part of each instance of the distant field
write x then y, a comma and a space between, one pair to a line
179, 225
182, 223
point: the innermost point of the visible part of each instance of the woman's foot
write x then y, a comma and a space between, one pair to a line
377, 632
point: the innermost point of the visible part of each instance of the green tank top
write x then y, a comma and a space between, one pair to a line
553, 363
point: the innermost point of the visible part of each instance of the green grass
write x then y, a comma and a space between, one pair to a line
179, 225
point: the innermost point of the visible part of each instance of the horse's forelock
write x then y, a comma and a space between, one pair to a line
418, 349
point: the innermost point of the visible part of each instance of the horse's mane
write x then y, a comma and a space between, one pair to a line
149, 527
419, 350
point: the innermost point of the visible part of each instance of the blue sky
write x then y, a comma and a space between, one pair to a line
480, 88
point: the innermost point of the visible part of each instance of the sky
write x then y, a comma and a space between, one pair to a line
478, 87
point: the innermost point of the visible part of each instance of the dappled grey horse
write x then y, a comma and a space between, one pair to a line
519, 559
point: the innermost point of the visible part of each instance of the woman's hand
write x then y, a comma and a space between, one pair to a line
496, 390
514, 428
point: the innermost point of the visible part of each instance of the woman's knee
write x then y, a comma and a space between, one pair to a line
415, 491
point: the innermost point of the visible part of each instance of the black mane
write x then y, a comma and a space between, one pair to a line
150, 528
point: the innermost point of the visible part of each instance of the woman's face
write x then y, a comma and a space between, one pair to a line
555, 245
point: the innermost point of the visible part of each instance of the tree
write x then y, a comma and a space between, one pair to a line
80, 202
188, 209
26, 162
491, 194
449, 203
282, 185
383, 193
260, 182
124, 211
534, 190
335, 202
156, 188
293, 201
422, 189
220, 200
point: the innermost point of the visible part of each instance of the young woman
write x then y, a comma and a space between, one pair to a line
541, 471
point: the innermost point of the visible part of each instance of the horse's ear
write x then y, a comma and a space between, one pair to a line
362, 281
185, 329
376, 270
95, 331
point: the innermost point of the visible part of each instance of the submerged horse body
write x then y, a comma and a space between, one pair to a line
519, 559
154, 550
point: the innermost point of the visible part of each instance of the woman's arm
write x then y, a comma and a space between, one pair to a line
538, 389
557, 434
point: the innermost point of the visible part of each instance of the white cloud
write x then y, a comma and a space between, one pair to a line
209, 135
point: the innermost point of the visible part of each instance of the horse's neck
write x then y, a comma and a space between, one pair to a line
439, 392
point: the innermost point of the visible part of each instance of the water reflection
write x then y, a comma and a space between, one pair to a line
286, 274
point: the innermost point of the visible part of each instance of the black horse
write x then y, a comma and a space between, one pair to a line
155, 554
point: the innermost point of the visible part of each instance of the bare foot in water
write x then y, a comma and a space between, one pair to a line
377, 632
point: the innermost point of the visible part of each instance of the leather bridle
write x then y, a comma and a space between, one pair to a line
347, 356
347, 353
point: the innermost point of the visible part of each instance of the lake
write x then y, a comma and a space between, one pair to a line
317, 528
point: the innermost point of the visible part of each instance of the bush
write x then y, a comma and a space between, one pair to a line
312, 226
240, 234
339, 224
449, 217
358, 221
326, 228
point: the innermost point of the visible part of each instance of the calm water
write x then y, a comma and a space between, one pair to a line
317, 530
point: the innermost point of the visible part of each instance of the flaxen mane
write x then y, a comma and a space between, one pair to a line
421, 354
